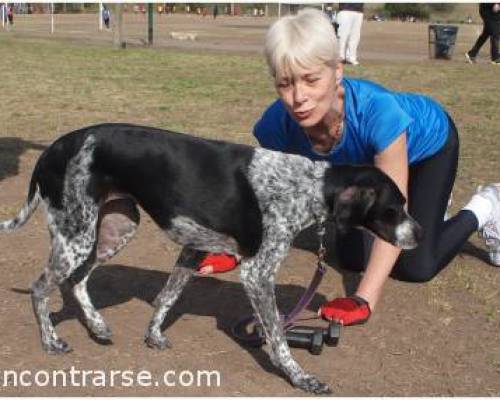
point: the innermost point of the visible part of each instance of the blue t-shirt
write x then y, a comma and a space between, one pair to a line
374, 118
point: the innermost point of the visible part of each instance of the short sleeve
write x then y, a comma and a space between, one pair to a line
384, 121
270, 130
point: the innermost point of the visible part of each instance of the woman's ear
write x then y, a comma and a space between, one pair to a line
339, 74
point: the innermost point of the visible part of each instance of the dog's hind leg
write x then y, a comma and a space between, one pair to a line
183, 270
40, 292
258, 277
119, 219
73, 235
66, 257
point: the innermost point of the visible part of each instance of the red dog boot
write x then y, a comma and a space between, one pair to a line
347, 311
218, 263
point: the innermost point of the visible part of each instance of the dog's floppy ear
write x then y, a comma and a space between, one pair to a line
351, 206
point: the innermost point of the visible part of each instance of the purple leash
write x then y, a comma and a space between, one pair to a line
306, 298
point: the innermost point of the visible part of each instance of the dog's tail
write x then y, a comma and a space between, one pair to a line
26, 212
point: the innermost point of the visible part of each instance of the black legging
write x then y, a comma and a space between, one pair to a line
429, 187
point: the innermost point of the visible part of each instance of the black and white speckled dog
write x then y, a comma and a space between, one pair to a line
206, 195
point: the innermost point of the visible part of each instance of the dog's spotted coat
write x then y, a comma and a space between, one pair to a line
205, 195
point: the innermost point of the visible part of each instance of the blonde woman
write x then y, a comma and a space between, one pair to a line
324, 115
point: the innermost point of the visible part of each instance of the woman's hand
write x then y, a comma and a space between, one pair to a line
218, 263
347, 311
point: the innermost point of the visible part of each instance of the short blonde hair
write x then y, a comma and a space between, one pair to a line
304, 40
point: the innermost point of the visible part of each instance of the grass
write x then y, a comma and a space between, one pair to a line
51, 87
62, 86
55, 86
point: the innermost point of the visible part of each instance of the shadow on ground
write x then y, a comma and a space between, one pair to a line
11, 149
226, 301
472, 250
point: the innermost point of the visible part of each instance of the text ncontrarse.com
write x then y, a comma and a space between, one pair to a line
73, 377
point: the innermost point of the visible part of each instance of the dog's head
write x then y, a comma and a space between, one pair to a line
366, 197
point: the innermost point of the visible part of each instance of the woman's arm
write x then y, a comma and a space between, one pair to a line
394, 162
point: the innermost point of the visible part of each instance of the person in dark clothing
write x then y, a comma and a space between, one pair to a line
10, 15
332, 16
490, 14
106, 15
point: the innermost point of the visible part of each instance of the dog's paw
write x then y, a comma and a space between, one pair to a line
311, 384
100, 332
57, 346
157, 342
103, 337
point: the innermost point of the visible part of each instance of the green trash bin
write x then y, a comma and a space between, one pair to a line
442, 39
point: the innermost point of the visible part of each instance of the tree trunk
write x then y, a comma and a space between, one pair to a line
150, 24
118, 39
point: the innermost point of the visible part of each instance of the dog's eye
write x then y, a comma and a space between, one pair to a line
391, 214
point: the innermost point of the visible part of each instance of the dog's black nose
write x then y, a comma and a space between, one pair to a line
408, 234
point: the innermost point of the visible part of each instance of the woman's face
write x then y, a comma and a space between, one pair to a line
309, 94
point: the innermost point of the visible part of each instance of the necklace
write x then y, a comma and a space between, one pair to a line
323, 140
336, 130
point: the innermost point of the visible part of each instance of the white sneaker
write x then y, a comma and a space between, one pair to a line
469, 59
490, 232
352, 62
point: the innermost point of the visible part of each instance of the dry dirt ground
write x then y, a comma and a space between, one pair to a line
439, 338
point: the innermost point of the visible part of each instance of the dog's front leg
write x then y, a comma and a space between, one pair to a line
258, 277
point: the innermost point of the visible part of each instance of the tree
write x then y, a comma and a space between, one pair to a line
118, 40
442, 7
404, 10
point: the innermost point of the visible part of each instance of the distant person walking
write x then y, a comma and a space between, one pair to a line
490, 14
350, 19
106, 16
216, 11
332, 16
10, 15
